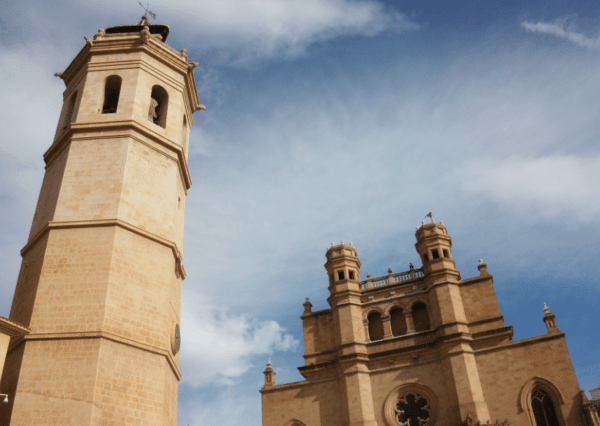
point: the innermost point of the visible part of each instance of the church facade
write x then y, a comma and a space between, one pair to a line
94, 322
422, 348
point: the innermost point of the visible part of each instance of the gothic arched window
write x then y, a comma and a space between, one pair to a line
375, 326
543, 409
159, 101
398, 322
420, 317
112, 90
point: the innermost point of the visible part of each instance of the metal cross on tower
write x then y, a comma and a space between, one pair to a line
148, 12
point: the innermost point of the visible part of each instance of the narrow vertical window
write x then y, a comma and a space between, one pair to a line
112, 90
543, 409
159, 101
420, 317
69, 111
375, 326
184, 135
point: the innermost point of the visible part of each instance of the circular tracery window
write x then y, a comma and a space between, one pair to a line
412, 409
411, 404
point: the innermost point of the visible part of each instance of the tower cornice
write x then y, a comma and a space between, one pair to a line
104, 44
109, 222
116, 129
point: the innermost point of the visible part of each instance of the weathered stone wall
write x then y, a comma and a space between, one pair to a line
505, 371
315, 404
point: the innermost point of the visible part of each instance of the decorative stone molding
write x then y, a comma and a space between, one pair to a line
295, 422
12, 328
470, 422
99, 34
145, 35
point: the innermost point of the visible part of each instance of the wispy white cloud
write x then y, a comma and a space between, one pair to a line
218, 346
558, 30
550, 185
249, 29
225, 32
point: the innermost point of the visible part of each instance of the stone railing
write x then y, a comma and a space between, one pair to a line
400, 277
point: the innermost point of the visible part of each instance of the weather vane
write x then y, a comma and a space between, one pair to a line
146, 8
430, 216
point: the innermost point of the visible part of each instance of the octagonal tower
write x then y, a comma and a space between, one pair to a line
100, 281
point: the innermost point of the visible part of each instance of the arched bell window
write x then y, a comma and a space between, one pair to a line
375, 326
543, 409
159, 102
398, 322
112, 90
420, 317
70, 108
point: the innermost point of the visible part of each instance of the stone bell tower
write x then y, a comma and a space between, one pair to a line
356, 398
100, 282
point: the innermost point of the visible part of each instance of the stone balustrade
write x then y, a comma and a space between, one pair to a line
400, 277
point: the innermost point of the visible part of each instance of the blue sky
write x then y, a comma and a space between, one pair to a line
344, 120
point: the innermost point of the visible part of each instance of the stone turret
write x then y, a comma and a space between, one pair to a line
434, 246
269, 375
550, 320
342, 267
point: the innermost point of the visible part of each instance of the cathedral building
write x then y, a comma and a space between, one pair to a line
423, 348
93, 333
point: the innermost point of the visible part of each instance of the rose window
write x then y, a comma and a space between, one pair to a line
412, 410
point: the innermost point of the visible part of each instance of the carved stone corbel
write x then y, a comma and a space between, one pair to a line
145, 35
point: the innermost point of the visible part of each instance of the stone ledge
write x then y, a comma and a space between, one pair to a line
132, 128
180, 271
13, 328
107, 336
